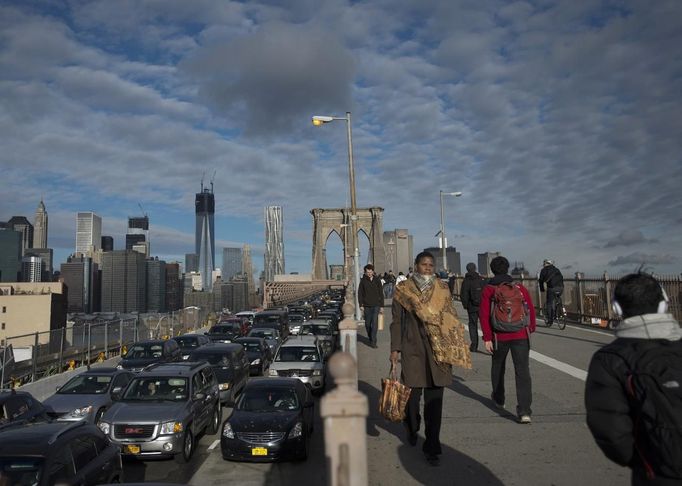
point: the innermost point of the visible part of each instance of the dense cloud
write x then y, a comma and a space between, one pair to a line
559, 122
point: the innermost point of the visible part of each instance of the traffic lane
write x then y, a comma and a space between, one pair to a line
214, 470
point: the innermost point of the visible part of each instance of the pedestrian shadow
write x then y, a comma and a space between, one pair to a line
460, 388
364, 340
456, 467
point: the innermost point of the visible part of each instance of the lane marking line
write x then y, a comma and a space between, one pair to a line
559, 365
214, 445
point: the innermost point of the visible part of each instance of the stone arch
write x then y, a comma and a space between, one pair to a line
370, 220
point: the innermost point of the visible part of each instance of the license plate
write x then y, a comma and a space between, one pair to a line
259, 451
133, 449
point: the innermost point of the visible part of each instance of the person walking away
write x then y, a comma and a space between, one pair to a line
400, 278
391, 281
428, 339
470, 295
552, 277
507, 320
371, 300
633, 391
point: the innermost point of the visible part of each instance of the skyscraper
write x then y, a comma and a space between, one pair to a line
156, 285
80, 275
173, 287
123, 281
40, 227
10, 255
88, 233
191, 262
31, 268
204, 245
138, 235
453, 256
274, 243
247, 271
399, 250
107, 243
484, 260
232, 263
23, 226
47, 256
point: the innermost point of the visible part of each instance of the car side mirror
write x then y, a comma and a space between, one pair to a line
199, 396
116, 393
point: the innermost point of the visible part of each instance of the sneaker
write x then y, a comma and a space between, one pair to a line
524, 419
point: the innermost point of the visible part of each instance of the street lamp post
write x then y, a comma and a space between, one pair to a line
442, 226
321, 120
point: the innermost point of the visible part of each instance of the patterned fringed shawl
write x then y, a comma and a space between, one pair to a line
434, 308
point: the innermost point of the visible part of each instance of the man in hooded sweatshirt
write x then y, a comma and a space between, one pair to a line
648, 346
470, 295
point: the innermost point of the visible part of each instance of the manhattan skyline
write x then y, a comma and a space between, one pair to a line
558, 121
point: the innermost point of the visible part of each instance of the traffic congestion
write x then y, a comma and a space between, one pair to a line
249, 385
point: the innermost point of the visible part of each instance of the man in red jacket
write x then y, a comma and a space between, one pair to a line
499, 343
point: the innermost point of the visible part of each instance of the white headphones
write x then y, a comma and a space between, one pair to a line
662, 305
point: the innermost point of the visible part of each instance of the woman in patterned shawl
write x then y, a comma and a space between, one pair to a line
428, 339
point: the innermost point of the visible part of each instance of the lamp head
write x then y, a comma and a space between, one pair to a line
321, 120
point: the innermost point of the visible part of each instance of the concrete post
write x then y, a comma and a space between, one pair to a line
580, 288
120, 336
609, 297
348, 330
89, 341
106, 339
35, 358
61, 350
344, 412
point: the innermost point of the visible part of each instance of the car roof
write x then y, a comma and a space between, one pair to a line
300, 341
6, 393
249, 339
101, 370
218, 348
265, 382
273, 312
193, 335
35, 438
149, 341
185, 368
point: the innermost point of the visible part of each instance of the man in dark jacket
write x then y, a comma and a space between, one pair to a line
551, 276
371, 300
470, 295
517, 342
648, 333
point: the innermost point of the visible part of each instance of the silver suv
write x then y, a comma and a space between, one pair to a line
164, 409
301, 357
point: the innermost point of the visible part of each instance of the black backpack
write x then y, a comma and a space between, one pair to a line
477, 285
654, 385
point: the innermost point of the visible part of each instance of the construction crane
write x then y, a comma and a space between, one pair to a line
143, 212
212, 178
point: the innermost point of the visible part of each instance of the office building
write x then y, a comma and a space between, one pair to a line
80, 275
484, 260
88, 233
40, 227
10, 255
23, 226
192, 283
156, 285
204, 234
123, 281
232, 263
191, 262
240, 295
47, 256
173, 287
454, 259
31, 268
247, 271
399, 250
107, 243
134, 239
274, 243
32, 307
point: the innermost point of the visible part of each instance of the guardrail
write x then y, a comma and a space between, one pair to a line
588, 299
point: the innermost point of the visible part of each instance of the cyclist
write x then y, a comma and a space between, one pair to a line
551, 276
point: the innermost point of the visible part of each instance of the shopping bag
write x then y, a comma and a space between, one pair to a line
394, 396
380, 321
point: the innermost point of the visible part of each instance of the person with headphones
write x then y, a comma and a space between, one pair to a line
551, 276
633, 389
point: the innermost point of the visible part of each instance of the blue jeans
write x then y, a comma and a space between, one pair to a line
372, 322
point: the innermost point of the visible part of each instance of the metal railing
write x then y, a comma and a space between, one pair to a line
277, 294
588, 299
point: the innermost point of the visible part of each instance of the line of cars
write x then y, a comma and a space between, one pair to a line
164, 395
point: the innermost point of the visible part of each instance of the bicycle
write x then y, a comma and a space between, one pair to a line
559, 313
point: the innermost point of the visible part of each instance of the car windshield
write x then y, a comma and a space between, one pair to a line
225, 329
250, 346
157, 388
221, 359
21, 470
263, 333
187, 341
298, 353
139, 351
268, 400
296, 318
267, 318
86, 384
316, 330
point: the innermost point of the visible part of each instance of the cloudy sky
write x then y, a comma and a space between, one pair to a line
560, 121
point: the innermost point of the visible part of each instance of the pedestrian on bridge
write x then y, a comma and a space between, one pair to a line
633, 392
371, 300
470, 295
428, 338
553, 278
500, 338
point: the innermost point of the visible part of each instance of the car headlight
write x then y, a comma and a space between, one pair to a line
297, 431
104, 427
227, 431
272, 372
171, 428
185, 356
119, 367
223, 386
255, 361
317, 372
81, 412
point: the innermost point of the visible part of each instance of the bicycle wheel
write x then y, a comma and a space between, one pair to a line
560, 316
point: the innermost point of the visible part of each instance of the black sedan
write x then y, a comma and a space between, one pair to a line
225, 333
272, 420
258, 353
190, 342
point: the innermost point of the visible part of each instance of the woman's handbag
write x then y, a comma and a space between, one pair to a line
380, 321
394, 396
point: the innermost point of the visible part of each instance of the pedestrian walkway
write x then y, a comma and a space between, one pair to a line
482, 446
